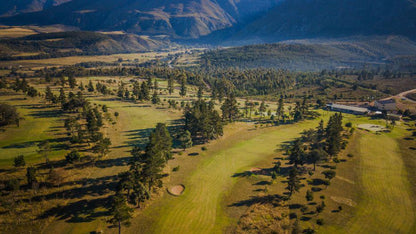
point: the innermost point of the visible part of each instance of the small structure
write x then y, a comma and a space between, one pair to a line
348, 109
386, 104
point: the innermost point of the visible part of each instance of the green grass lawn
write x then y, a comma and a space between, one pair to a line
39, 124
200, 209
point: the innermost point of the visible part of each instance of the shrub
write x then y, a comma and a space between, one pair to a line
19, 161
348, 125
116, 114
350, 155
13, 185
329, 174
176, 168
320, 222
203, 148
73, 156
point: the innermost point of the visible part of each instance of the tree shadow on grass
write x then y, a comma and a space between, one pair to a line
273, 199
46, 114
90, 187
115, 162
56, 144
80, 211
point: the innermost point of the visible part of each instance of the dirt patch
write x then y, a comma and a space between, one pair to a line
372, 127
345, 179
255, 169
344, 200
176, 190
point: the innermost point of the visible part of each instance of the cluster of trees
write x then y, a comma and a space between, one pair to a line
22, 85
316, 145
144, 176
8, 115
85, 127
203, 121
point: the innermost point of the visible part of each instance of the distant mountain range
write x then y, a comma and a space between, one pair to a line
219, 21
316, 54
46, 45
15, 7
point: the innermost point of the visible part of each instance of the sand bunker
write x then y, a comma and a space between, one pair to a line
372, 127
177, 190
344, 200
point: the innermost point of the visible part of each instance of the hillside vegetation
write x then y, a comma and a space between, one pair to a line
313, 54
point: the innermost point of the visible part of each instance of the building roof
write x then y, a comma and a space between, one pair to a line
386, 101
349, 108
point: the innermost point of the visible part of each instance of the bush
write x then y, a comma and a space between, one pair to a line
329, 174
348, 125
116, 114
320, 222
350, 155
13, 185
203, 148
176, 168
19, 161
73, 156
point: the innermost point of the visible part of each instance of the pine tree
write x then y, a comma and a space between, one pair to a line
280, 109
183, 85
136, 90
120, 212
293, 183
48, 94
144, 91
200, 92
72, 81
150, 83
62, 96
186, 139
90, 87
31, 176
171, 84
297, 154
230, 108
309, 195
155, 98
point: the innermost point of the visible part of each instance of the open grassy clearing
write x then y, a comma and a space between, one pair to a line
40, 123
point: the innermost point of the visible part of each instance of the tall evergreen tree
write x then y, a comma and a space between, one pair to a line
293, 182
186, 139
280, 109
297, 154
120, 212
171, 84
230, 108
48, 94
183, 85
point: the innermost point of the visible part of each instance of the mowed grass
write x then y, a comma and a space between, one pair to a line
386, 200
200, 209
39, 124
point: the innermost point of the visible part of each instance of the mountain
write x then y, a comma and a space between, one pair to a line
59, 44
331, 18
176, 18
14, 7
316, 54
